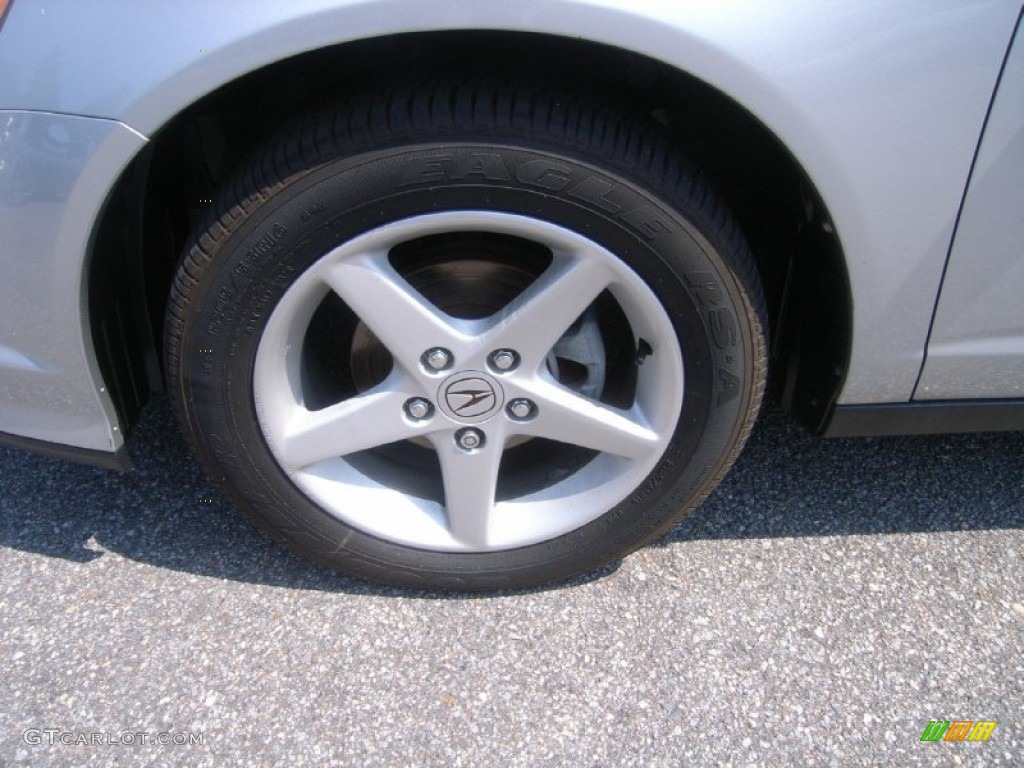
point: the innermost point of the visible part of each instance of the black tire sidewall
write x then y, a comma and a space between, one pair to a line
669, 240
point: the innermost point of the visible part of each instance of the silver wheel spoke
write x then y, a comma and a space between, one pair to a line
367, 421
548, 385
564, 416
399, 316
470, 480
536, 319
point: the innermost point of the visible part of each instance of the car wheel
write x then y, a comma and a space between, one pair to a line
464, 336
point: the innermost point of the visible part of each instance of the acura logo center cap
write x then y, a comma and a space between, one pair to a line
470, 397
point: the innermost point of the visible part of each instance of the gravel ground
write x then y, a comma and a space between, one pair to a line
829, 600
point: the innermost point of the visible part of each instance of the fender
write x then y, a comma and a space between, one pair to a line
838, 83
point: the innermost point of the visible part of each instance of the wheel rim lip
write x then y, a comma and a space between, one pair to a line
567, 505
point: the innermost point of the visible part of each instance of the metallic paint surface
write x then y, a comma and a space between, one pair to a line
881, 103
977, 343
55, 173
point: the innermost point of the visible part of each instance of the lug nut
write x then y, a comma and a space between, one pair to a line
437, 358
504, 359
418, 408
521, 409
469, 439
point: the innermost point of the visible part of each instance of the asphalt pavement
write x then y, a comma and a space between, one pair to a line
829, 601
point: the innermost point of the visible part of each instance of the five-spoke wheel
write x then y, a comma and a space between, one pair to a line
467, 341
473, 388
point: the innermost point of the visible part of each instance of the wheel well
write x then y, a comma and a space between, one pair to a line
165, 190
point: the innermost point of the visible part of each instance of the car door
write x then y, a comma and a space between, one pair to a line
976, 349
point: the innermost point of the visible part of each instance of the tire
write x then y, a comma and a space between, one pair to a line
463, 336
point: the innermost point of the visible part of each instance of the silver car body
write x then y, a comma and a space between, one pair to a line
883, 105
